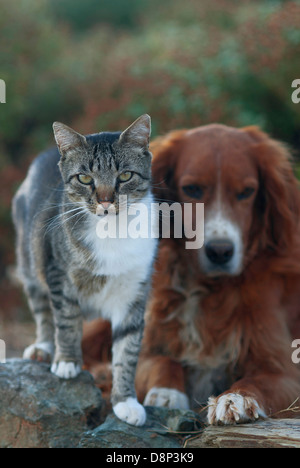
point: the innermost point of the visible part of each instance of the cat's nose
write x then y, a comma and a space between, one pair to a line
105, 204
104, 208
104, 196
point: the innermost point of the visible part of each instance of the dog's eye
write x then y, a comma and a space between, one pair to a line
246, 193
193, 191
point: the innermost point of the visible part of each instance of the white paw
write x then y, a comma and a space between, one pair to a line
131, 412
42, 352
167, 397
65, 370
233, 408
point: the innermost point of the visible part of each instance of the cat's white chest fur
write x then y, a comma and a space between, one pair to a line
115, 257
126, 263
113, 300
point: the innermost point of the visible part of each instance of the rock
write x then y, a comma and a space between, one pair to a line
164, 428
37, 409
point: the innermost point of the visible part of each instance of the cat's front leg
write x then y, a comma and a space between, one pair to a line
67, 360
43, 348
126, 346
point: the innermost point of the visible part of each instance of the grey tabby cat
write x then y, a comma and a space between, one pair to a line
69, 273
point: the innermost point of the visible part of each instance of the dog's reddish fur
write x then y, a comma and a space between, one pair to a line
252, 316
245, 322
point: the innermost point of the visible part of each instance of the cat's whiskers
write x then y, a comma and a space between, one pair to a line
79, 219
51, 206
81, 211
60, 215
62, 218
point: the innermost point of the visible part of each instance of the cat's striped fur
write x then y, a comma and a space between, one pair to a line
69, 273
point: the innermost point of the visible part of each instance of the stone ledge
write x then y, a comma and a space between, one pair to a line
38, 409
164, 428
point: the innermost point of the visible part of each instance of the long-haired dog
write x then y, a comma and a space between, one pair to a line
221, 320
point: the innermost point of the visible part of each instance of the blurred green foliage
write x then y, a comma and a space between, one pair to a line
82, 15
99, 64
38, 77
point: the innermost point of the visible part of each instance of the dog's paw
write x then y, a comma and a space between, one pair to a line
66, 370
131, 412
233, 408
167, 397
42, 352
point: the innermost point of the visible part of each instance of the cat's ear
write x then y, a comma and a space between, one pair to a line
66, 138
138, 133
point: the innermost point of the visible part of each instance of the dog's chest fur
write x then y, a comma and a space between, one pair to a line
206, 374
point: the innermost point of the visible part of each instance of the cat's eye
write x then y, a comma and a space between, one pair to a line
193, 191
85, 179
125, 176
246, 193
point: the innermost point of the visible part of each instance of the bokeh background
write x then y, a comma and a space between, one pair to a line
99, 64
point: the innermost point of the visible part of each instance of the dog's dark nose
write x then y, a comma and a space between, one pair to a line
219, 251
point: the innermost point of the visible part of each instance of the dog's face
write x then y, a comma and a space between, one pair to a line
235, 173
224, 177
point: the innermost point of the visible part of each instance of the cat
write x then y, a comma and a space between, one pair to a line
68, 272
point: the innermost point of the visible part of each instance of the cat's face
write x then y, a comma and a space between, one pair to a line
100, 170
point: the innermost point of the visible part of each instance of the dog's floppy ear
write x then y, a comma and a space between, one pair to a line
278, 199
165, 152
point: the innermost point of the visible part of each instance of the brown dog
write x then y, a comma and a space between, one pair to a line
222, 318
